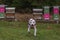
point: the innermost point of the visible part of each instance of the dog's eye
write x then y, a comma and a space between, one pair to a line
30, 22
33, 22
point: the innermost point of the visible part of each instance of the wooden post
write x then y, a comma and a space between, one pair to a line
56, 13
37, 14
10, 13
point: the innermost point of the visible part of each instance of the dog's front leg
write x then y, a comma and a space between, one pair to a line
35, 30
28, 28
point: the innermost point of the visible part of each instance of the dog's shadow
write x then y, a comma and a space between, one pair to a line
31, 36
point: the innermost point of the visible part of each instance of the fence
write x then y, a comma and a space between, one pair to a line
45, 12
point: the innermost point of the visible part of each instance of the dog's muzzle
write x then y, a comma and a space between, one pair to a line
32, 25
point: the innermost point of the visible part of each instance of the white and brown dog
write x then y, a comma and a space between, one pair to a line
32, 24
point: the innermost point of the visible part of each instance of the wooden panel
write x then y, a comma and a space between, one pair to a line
2, 9
10, 15
10, 10
2, 15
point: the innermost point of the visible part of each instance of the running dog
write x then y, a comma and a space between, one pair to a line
32, 24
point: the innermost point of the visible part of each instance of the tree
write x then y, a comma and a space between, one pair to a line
7, 2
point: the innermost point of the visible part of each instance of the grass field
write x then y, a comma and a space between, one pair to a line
18, 31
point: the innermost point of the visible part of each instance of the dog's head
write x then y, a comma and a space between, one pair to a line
32, 22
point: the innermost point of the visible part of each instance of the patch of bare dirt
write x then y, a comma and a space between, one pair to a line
23, 17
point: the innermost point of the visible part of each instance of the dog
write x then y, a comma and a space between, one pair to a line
32, 24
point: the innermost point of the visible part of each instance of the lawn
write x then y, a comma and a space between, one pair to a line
18, 31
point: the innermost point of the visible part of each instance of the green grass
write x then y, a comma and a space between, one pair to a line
18, 31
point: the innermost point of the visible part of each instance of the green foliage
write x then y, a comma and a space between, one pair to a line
7, 2
29, 4
26, 3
